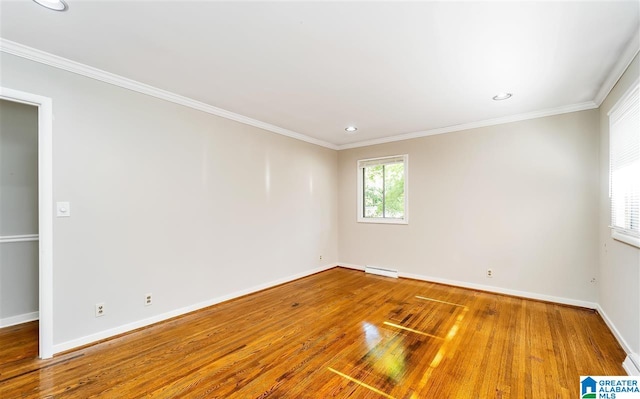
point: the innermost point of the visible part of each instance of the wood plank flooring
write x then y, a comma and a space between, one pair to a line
336, 334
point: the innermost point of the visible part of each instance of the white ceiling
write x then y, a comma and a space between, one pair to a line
392, 69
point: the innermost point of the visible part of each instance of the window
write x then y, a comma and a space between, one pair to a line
624, 157
382, 190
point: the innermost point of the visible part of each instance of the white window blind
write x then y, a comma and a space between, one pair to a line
624, 180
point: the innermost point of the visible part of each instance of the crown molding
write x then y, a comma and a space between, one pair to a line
55, 61
629, 53
473, 125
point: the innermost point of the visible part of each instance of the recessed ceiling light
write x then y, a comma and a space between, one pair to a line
350, 129
55, 5
502, 96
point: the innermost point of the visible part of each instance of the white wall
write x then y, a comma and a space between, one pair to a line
171, 201
18, 212
18, 282
520, 198
19, 168
619, 266
194, 208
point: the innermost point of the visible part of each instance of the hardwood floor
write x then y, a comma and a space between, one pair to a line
18, 344
336, 334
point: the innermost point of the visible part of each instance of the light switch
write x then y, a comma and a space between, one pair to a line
63, 209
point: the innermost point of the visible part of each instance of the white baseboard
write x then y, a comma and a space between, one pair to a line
632, 364
19, 319
614, 330
65, 346
488, 288
505, 291
351, 266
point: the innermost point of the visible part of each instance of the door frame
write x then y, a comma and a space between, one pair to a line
45, 212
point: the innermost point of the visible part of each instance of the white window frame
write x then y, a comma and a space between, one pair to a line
360, 209
623, 108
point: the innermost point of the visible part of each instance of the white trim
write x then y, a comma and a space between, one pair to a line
626, 238
382, 220
18, 319
473, 125
618, 69
361, 164
351, 266
618, 112
630, 364
488, 288
45, 209
19, 238
178, 312
623, 343
624, 61
55, 61
505, 291
624, 97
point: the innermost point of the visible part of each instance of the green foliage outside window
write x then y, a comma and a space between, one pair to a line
384, 191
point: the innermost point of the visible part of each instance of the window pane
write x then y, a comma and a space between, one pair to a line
394, 191
373, 191
381, 190
626, 187
625, 165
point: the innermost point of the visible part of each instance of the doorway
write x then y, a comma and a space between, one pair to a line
18, 213
42, 107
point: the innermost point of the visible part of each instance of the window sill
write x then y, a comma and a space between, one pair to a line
627, 239
383, 221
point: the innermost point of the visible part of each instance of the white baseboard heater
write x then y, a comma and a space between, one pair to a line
380, 271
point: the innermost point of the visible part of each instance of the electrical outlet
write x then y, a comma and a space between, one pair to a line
320, 257
148, 300
489, 273
100, 309
593, 280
